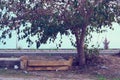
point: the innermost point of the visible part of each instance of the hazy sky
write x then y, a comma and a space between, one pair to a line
112, 36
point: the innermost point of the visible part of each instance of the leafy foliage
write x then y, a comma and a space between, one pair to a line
50, 17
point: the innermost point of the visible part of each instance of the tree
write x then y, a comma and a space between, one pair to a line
50, 17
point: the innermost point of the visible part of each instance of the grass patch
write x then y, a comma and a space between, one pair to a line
100, 77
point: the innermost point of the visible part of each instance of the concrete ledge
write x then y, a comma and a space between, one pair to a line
9, 59
9, 62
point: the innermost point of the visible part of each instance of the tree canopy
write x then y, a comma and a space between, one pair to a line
50, 17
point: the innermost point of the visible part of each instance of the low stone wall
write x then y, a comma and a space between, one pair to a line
38, 51
53, 51
61, 52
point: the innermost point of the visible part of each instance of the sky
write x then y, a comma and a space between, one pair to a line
98, 39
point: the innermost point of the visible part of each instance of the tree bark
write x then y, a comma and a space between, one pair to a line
80, 36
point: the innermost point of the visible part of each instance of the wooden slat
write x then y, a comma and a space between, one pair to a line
48, 63
48, 68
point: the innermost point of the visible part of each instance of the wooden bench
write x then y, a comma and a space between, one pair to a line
31, 64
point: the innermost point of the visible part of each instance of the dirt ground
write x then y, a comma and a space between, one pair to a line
43, 78
44, 75
109, 69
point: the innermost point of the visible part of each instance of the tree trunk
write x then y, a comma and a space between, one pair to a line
80, 36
